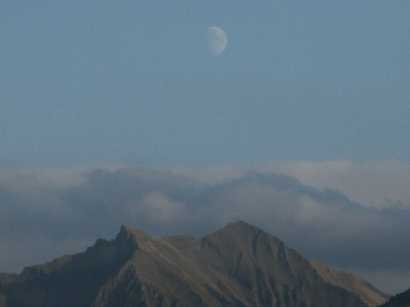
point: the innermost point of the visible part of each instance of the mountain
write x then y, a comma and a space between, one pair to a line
401, 300
2, 298
351, 282
5, 279
238, 266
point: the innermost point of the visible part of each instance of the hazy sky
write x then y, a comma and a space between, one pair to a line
134, 80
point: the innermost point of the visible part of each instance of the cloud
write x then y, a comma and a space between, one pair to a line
372, 183
157, 208
43, 215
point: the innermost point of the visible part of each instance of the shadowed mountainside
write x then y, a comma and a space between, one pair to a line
401, 300
239, 265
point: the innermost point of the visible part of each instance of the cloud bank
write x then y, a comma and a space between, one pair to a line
43, 215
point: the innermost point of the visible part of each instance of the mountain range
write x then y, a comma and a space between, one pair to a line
238, 265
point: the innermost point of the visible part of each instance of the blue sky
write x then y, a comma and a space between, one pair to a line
89, 80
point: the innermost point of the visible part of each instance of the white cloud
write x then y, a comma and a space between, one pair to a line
156, 208
373, 183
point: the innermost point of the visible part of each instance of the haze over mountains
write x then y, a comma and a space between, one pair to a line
238, 265
46, 215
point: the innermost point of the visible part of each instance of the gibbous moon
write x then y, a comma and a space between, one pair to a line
217, 40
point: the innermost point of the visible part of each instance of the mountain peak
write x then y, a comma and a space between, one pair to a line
241, 230
130, 234
239, 265
240, 226
240, 223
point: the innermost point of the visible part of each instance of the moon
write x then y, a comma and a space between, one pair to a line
217, 40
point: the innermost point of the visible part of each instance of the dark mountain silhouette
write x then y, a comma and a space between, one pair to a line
239, 265
401, 300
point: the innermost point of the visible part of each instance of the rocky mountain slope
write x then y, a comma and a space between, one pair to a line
238, 265
351, 282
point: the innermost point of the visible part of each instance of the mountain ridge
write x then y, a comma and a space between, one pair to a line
237, 265
349, 281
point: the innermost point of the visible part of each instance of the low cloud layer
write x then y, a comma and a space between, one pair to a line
372, 183
46, 214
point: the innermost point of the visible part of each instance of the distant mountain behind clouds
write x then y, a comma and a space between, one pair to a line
59, 216
372, 183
